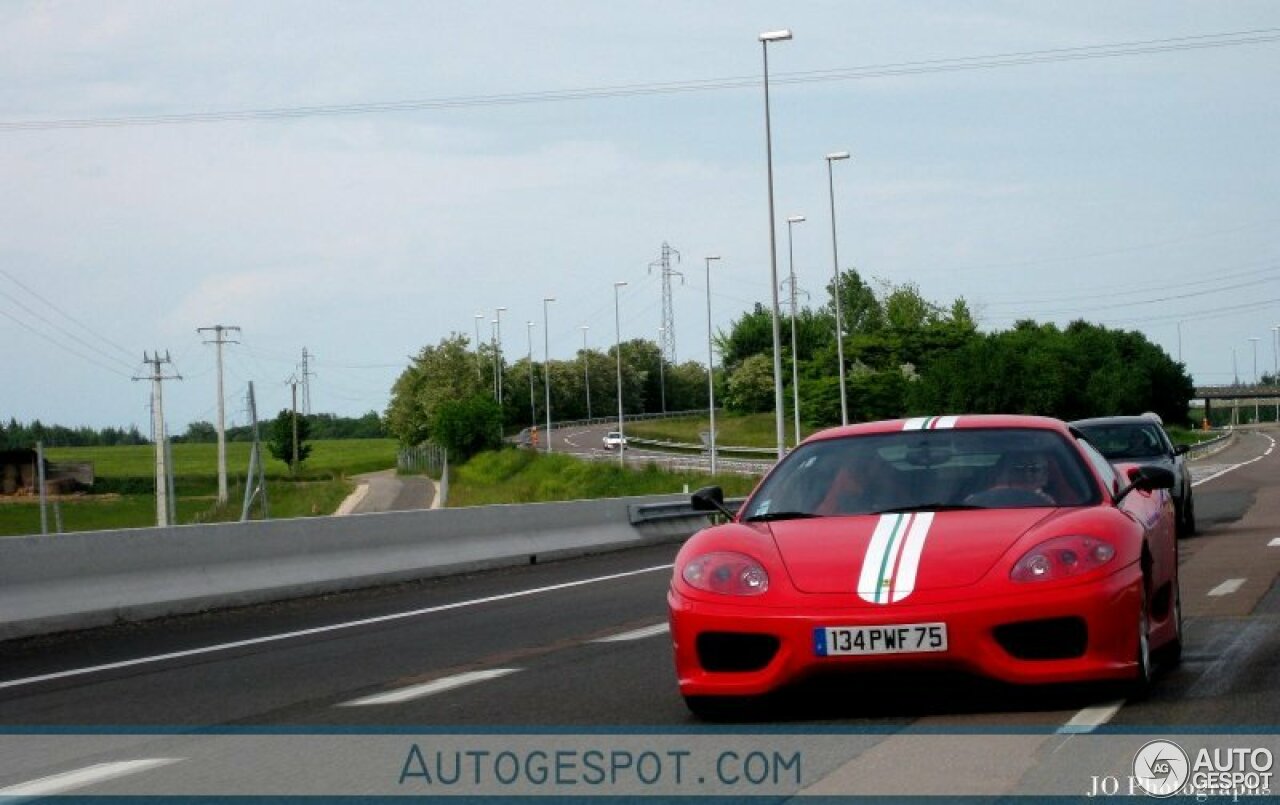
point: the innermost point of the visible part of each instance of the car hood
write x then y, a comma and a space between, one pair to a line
886, 557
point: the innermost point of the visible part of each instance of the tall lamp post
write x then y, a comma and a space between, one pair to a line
586, 369
711, 363
478, 317
835, 287
498, 366
1275, 364
795, 371
765, 38
533, 409
1256, 404
617, 329
546, 364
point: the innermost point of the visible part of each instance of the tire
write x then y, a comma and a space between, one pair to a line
1189, 516
1170, 654
1139, 686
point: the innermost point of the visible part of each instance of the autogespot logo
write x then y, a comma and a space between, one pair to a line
1161, 768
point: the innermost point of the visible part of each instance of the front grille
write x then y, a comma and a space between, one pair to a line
734, 651
1049, 639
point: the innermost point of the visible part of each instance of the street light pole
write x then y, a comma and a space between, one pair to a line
546, 364
765, 38
1275, 364
1254, 341
711, 363
533, 409
835, 288
586, 369
498, 318
617, 329
795, 369
478, 317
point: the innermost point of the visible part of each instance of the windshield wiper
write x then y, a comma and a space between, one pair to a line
931, 507
760, 518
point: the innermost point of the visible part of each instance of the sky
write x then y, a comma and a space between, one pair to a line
363, 179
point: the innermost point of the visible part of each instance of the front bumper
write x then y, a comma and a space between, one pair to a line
1108, 608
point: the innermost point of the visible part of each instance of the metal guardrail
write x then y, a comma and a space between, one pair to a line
1208, 445
653, 512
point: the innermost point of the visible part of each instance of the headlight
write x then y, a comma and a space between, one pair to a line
726, 573
1062, 558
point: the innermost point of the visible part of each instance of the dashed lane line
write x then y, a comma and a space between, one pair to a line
257, 641
1227, 587
1275, 543
79, 778
1090, 718
412, 692
635, 634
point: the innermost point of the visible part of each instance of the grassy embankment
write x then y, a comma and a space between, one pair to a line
523, 476
123, 494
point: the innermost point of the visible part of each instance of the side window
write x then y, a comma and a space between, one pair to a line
1103, 467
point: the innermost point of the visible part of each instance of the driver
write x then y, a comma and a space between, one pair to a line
1028, 472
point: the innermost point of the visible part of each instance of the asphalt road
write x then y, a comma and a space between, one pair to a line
581, 644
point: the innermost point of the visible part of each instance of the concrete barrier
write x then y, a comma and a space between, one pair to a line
81, 580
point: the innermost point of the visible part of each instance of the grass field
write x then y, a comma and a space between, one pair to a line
126, 475
751, 430
525, 476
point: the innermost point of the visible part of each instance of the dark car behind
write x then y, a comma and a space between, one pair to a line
1143, 440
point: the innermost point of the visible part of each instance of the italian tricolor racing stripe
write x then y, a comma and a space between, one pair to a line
930, 423
889, 568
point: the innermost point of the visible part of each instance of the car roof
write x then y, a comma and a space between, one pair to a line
1114, 420
958, 422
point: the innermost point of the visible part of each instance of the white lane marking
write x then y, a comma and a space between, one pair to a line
256, 641
1227, 587
1090, 718
1275, 543
635, 634
412, 692
71, 780
1234, 467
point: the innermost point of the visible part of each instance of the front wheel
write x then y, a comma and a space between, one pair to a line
1140, 685
1188, 516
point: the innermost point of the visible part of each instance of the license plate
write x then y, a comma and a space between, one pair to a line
907, 638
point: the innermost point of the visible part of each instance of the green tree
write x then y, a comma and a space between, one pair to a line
437, 374
750, 386
465, 427
280, 444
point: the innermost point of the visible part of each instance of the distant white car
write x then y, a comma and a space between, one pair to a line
614, 439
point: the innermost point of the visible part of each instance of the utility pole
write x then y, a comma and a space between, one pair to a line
258, 479
157, 378
219, 338
307, 374
668, 332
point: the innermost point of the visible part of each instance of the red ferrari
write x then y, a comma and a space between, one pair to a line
1004, 546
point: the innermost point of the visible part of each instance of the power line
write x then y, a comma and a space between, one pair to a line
61, 345
1014, 59
66, 315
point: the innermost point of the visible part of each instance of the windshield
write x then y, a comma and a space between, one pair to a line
1127, 440
926, 471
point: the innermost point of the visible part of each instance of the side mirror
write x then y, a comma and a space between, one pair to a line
1147, 479
710, 499
1181, 449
